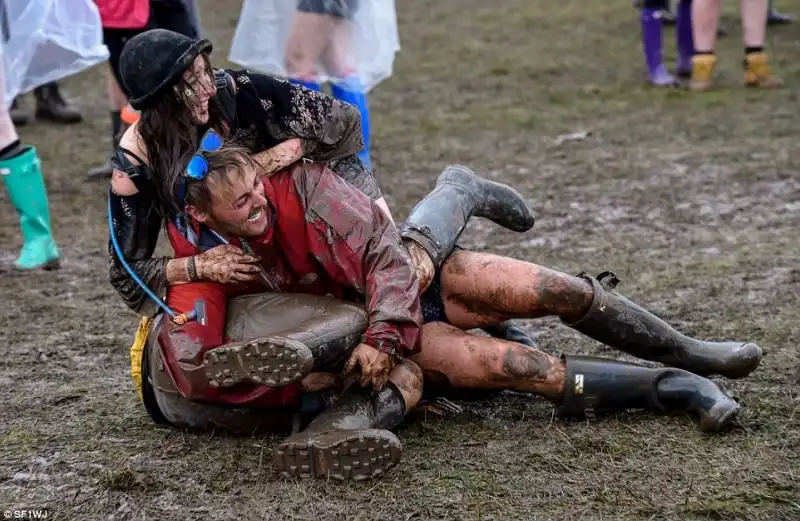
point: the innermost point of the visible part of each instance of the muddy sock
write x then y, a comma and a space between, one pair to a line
11, 151
752, 50
116, 126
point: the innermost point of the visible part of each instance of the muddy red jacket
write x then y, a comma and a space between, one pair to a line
324, 237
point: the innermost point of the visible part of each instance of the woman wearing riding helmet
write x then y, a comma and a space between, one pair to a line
180, 97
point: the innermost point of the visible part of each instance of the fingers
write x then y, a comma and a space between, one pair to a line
366, 372
351, 364
241, 277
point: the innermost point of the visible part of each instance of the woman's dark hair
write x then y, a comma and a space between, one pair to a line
171, 138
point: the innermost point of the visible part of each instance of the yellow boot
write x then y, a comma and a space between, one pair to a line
703, 72
757, 72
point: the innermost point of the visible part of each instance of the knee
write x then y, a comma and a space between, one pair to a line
521, 362
299, 63
423, 264
407, 377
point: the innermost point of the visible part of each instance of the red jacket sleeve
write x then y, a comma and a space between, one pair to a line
360, 248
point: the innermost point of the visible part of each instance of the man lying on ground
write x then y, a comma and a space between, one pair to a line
309, 232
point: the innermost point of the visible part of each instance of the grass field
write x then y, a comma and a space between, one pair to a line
693, 199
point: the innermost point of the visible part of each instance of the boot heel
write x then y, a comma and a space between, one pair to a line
356, 455
272, 361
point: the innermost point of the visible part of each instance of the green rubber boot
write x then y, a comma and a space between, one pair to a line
22, 176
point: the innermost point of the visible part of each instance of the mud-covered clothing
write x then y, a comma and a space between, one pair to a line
267, 111
324, 237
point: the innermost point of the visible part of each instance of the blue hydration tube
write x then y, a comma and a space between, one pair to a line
134, 276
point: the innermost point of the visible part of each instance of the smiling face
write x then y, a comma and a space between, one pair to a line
197, 89
232, 200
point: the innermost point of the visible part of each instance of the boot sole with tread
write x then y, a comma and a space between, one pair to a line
272, 361
341, 455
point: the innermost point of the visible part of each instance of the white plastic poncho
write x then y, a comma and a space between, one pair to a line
48, 40
259, 42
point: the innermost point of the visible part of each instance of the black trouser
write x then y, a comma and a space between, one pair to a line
164, 14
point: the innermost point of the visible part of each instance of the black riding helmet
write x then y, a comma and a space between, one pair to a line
153, 61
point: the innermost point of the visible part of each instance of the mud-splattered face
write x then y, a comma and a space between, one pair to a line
238, 206
198, 89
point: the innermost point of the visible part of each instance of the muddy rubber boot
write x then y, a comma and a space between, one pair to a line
23, 179
350, 440
296, 334
757, 72
617, 322
19, 116
703, 72
437, 221
273, 361
51, 105
652, 42
601, 385
684, 40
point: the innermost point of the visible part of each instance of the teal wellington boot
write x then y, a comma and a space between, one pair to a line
22, 176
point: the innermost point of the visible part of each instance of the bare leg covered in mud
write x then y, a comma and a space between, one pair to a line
452, 358
481, 289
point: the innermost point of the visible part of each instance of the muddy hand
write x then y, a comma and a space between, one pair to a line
227, 264
375, 366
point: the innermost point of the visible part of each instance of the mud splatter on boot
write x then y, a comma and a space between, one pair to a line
348, 441
619, 323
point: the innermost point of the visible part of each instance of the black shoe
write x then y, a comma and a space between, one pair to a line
51, 105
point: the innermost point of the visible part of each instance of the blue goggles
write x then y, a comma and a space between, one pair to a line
197, 168
198, 165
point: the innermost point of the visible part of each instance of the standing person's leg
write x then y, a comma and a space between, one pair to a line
20, 171
754, 27
115, 40
705, 21
174, 15
340, 63
684, 40
652, 43
310, 34
194, 16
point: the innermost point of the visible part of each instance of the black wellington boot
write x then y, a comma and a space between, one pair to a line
350, 440
600, 385
438, 220
619, 323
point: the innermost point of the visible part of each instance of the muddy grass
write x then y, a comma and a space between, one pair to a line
694, 200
